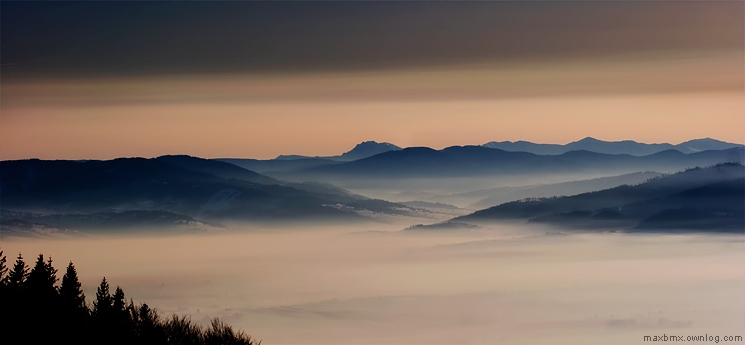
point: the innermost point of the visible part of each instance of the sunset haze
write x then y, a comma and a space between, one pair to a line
95, 80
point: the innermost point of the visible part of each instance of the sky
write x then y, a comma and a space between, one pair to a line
99, 80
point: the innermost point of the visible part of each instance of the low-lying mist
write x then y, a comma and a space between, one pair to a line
371, 284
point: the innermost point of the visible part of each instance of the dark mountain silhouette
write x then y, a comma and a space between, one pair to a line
292, 163
475, 160
323, 188
704, 144
715, 197
220, 169
484, 198
367, 149
26, 223
277, 165
612, 147
443, 226
80, 191
427, 204
409, 161
362, 150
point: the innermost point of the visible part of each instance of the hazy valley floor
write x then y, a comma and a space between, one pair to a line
373, 285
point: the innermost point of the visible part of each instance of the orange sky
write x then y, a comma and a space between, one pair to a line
648, 98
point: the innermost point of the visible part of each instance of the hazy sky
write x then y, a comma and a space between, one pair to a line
259, 79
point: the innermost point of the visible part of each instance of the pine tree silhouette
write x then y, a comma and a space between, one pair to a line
17, 276
13, 313
121, 318
35, 311
73, 310
3, 269
150, 329
102, 325
41, 280
71, 292
118, 301
103, 306
41, 303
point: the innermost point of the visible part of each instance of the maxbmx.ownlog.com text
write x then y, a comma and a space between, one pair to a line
693, 338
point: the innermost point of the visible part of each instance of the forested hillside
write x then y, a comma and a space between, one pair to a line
34, 309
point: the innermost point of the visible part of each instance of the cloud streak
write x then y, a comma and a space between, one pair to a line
112, 38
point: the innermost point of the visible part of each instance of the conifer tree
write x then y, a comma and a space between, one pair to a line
41, 281
36, 312
13, 312
103, 304
122, 320
71, 293
102, 322
41, 302
3, 269
118, 301
17, 276
73, 311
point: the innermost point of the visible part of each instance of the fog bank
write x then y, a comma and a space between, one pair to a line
371, 284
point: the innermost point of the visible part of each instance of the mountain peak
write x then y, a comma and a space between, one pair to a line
704, 140
369, 148
373, 143
704, 144
588, 140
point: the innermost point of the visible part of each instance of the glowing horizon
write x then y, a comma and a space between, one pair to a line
255, 89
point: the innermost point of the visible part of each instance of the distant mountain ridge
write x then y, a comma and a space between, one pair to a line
175, 190
702, 199
629, 147
484, 198
464, 161
296, 163
362, 150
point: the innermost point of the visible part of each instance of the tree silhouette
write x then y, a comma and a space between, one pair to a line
71, 293
41, 280
103, 306
118, 302
101, 324
121, 318
12, 311
220, 333
3, 269
34, 311
150, 329
73, 310
41, 302
182, 331
17, 275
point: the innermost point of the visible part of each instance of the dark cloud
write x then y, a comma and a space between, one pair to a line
103, 38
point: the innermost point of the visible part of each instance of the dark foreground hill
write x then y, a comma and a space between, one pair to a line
704, 199
182, 190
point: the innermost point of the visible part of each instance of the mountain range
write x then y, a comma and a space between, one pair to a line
464, 161
628, 147
362, 150
711, 199
291, 164
484, 198
183, 189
